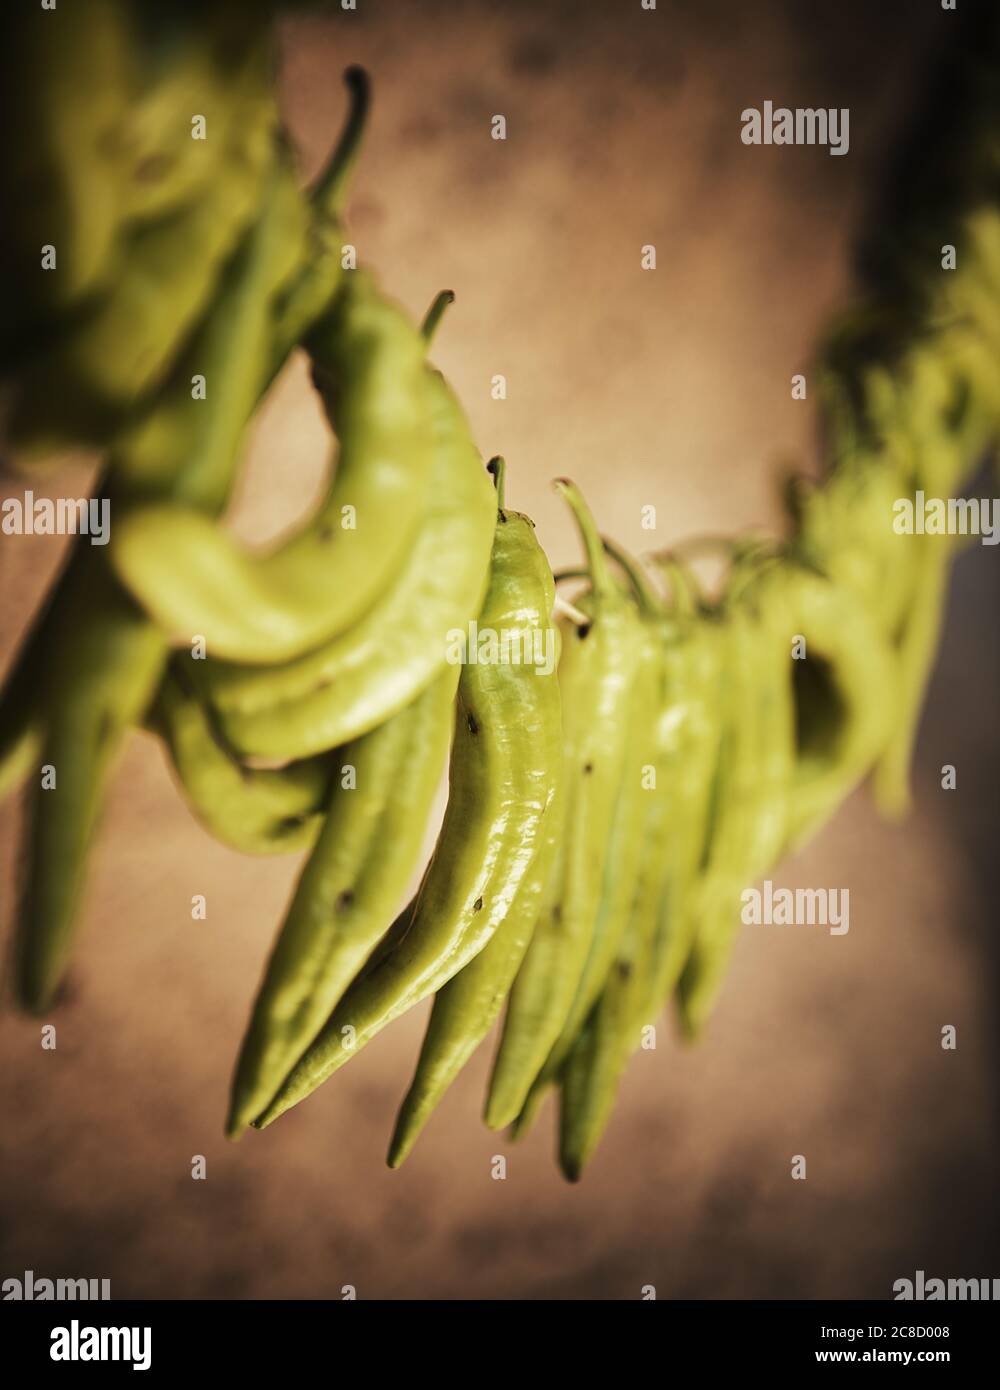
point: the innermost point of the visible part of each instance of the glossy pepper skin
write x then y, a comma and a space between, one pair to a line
191, 576
253, 810
625, 848
689, 731
348, 890
681, 744
466, 1007
363, 676
596, 676
504, 774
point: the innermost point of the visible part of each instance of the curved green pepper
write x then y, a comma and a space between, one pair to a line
366, 674
192, 577
348, 890
504, 772
253, 810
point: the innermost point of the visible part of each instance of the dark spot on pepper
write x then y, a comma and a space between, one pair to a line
624, 970
588, 769
501, 516
582, 630
153, 168
344, 900
472, 723
477, 905
325, 532
291, 823
557, 912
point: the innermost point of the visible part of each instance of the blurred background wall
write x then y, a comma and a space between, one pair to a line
669, 387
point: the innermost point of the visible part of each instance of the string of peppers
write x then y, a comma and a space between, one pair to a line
605, 815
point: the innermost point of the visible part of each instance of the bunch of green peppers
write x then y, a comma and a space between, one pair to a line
606, 810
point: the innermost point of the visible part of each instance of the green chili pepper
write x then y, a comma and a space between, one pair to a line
520, 1054
914, 660
348, 889
751, 816
185, 448
214, 65
844, 686
304, 275
467, 1006
689, 734
503, 778
845, 530
656, 938
776, 717
192, 577
621, 863
95, 656
236, 352
309, 296
67, 80
254, 810
674, 831
751, 808
596, 1060
596, 677
109, 90
21, 723
101, 661
124, 346
363, 676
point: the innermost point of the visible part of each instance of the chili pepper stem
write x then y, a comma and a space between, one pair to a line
498, 468
684, 588
648, 599
435, 314
597, 561
331, 186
